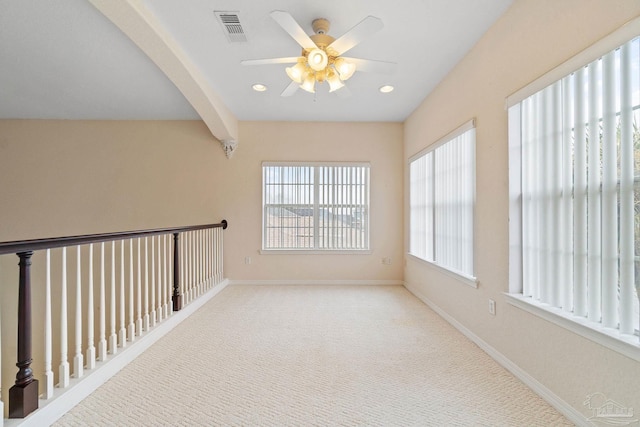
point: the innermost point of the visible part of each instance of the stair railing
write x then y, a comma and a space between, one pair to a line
142, 278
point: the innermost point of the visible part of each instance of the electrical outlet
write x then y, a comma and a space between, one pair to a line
386, 261
247, 260
492, 307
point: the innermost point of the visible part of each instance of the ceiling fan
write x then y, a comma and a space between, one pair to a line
321, 58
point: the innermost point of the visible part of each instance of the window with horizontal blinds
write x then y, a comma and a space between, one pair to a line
314, 206
441, 202
575, 156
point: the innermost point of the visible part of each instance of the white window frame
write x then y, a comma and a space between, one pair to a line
426, 208
625, 343
313, 202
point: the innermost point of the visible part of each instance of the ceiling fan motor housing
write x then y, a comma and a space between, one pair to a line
321, 38
320, 26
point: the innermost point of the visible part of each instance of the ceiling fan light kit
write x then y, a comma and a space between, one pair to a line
321, 58
317, 60
344, 68
320, 63
316, 67
297, 72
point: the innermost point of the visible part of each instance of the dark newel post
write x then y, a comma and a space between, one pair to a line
177, 298
23, 396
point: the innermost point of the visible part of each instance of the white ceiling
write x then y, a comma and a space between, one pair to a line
65, 60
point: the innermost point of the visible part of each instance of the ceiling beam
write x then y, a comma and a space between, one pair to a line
140, 25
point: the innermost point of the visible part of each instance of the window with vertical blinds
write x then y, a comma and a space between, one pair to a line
441, 202
575, 158
312, 206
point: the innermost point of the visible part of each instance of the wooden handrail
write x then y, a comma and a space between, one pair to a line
59, 242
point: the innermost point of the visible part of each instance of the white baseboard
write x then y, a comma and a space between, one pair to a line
52, 409
318, 282
550, 397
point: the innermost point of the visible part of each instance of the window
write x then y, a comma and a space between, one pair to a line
441, 202
575, 206
313, 206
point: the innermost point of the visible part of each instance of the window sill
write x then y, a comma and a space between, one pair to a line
313, 252
460, 277
628, 345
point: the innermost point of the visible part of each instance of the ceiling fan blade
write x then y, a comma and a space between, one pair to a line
290, 60
290, 25
365, 28
290, 90
371, 66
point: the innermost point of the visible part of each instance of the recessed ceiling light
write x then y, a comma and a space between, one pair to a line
258, 87
386, 89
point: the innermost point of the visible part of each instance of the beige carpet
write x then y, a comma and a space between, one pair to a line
314, 356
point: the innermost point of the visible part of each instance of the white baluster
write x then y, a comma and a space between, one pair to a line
102, 342
199, 262
160, 310
205, 260
221, 252
206, 256
78, 362
185, 292
139, 295
216, 249
183, 266
64, 364
167, 288
146, 285
113, 338
48, 373
202, 260
189, 284
91, 350
216, 254
169, 271
194, 265
212, 256
122, 332
153, 282
131, 330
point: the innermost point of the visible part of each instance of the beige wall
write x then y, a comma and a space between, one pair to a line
77, 177
378, 143
532, 37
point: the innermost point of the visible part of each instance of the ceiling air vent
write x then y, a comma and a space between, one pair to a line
231, 26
